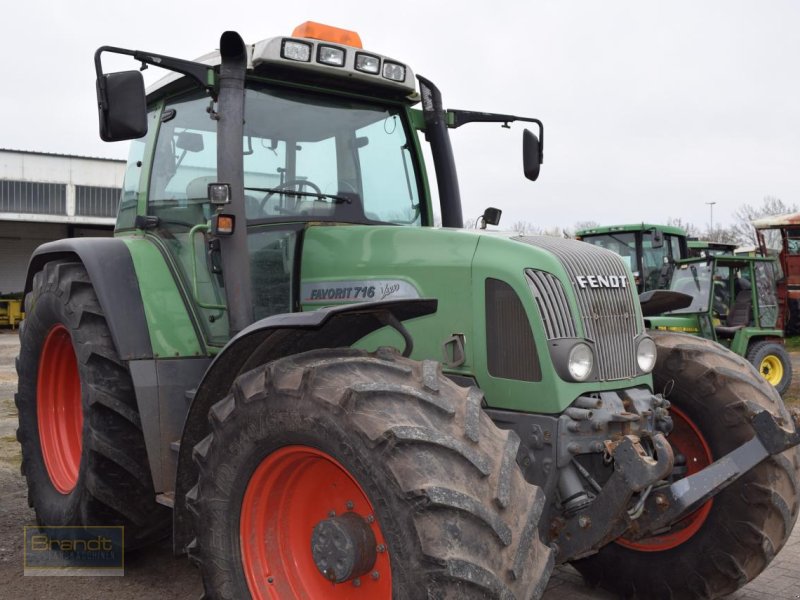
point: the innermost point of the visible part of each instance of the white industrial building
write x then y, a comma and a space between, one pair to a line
45, 197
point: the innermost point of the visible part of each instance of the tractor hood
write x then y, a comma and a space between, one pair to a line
518, 305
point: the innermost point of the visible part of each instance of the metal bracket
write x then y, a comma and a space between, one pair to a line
453, 351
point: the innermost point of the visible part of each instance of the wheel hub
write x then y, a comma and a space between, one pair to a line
771, 369
343, 547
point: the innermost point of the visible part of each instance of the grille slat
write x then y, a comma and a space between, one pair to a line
553, 305
608, 314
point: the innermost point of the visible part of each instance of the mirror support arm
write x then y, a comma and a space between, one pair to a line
203, 74
462, 117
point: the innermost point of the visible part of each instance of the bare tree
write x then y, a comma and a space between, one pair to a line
742, 229
691, 229
525, 228
577, 226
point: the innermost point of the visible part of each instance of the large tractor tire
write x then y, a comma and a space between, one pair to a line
773, 362
734, 536
83, 451
342, 474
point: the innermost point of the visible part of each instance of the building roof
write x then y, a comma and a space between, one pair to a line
34, 152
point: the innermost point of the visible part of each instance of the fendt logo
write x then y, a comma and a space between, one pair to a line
602, 281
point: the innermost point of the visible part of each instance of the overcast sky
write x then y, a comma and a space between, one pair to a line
651, 109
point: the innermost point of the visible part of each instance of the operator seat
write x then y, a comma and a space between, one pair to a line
739, 315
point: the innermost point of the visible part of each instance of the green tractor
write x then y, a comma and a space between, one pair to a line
648, 250
225, 368
734, 302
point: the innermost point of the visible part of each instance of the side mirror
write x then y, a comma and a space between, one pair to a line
190, 141
531, 155
122, 106
491, 216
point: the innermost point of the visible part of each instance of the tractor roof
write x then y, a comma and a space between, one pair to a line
316, 51
777, 221
632, 227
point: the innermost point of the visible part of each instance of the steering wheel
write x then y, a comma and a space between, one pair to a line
293, 185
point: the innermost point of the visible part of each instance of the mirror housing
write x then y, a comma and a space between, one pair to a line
190, 141
491, 216
531, 155
122, 106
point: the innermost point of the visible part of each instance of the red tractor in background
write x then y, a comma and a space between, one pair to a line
779, 236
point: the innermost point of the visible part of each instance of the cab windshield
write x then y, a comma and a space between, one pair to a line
306, 157
695, 280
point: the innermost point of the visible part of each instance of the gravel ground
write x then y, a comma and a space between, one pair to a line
156, 573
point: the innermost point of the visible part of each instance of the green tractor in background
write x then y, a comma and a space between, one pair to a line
328, 397
734, 302
648, 250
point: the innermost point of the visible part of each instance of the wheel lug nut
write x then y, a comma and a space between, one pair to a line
375, 575
357, 582
380, 548
349, 505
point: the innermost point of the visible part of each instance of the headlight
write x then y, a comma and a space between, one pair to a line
368, 63
294, 50
394, 71
646, 354
580, 362
330, 55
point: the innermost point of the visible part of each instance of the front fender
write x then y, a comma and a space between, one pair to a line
110, 266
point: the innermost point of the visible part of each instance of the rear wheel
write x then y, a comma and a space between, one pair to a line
340, 474
773, 362
733, 537
83, 450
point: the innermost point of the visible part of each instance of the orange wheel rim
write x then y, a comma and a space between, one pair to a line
685, 439
59, 411
290, 492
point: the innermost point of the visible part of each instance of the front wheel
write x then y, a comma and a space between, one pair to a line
773, 362
733, 537
341, 474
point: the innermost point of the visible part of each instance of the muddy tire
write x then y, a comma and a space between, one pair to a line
83, 451
731, 539
773, 362
331, 439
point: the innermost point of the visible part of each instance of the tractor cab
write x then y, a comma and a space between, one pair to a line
649, 250
779, 237
734, 302
710, 248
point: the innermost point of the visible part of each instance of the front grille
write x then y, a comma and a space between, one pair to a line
608, 314
552, 302
510, 347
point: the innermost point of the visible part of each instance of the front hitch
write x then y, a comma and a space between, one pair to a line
607, 517
670, 504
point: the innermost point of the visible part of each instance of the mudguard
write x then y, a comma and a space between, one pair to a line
110, 266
